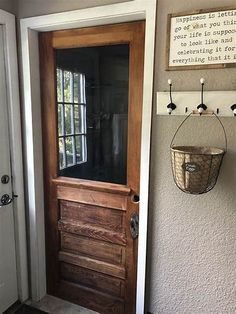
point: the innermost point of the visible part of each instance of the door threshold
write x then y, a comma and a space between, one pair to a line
53, 305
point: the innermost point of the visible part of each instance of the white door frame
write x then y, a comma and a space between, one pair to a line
109, 14
13, 101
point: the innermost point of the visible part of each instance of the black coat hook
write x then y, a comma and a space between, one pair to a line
202, 107
233, 108
171, 106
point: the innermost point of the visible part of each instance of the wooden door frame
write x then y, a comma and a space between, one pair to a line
14, 120
133, 10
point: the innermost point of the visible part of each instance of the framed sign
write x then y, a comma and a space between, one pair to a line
201, 39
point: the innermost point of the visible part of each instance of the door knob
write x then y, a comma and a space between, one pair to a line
134, 225
6, 199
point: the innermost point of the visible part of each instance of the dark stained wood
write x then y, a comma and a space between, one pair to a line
93, 185
94, 216
93, 264
91, 256
48, 98
92, 279
134, 155
86, 246
84, 196
94, 36
90, 298
92, 232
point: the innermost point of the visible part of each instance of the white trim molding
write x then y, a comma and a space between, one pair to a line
109, 14
12, 82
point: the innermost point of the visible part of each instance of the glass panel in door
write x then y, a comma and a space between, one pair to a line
92, 105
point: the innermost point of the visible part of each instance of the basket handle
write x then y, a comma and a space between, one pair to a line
181, 124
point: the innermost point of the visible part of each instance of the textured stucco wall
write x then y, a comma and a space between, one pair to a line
192, 239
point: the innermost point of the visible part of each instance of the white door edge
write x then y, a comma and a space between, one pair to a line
8, 20
103, 15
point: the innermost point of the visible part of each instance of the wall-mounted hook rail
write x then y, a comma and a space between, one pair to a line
221, 100
204, 113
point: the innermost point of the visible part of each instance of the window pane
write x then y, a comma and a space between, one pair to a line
62, 159
76, 87
79, 88
67, 87
59, 85
68, 119
69, 151
82, 98
60, 119
80, 148
78, 119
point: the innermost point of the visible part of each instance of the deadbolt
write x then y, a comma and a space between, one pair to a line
5, 179
135, 198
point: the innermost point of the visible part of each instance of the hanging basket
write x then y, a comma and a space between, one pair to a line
196, 169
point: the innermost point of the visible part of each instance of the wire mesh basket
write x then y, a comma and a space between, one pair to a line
196, 168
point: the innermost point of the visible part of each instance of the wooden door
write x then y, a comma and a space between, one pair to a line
91, 254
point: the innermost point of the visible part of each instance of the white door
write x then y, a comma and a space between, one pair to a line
8, 276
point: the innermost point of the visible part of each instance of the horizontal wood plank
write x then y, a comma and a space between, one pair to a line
97, 198
92, 232
98, 250
92, 185
94, 216
100, 36
92, 279
89, 41
89, 263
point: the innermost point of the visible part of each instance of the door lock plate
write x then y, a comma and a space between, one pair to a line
134, 225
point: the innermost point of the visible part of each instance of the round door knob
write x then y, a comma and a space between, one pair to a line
5, 199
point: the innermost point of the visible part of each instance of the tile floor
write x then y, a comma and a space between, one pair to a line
54, 305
